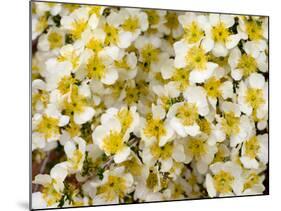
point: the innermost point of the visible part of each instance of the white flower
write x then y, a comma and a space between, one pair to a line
113, 187
52, 186
246, 63
237, 128
75, 153
195, 149
156, 128
221, 38
253, 95
110, 138
46, 126
183, 116
224, 179
54, 39
195, 57
255, 150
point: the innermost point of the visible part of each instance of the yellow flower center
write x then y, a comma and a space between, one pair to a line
48, 126
212, 87
114, 187
133, 166
187, 113
247, 64
65, 84
153, 17
182, 77
252, 147
196, 147
193, 33
164, 152
122, 64
255, 97
78, 27
223, 182
55, 40
220, 33
73, 129
154, 128
113, 143
231, 124
196, 58
95, 68
95, 45
76, 103
205, 126
132, 95
252, 179
131, 24
254, 29
178, 191
111, 34
152, 180
149, 54
172, 20
95, 10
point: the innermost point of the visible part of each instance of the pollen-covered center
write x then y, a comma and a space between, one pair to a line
252, 147
48, 126
78, 27
111, 34
150, 54
115, 186
193, 33
95, 45
223, 182
254, 29
55, 40
196, 147
231, 124
212, 87
187, 113
247, 64
181, 76
65, 84
155, 128
164, 152
113, 143
255, 97
220, 33
95, 68
197, 58
131, 24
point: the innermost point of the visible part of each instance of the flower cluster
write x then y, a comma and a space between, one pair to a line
137, 105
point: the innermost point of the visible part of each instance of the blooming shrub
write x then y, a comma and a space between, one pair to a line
137, 105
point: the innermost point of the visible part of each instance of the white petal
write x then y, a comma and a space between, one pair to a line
93, 21
208, 44
256, 81
125, 39
219, 50
233, 41
210, 186
122, 155
228, 20
110, 77
249, 163
85, 116
38, 201
58, 172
